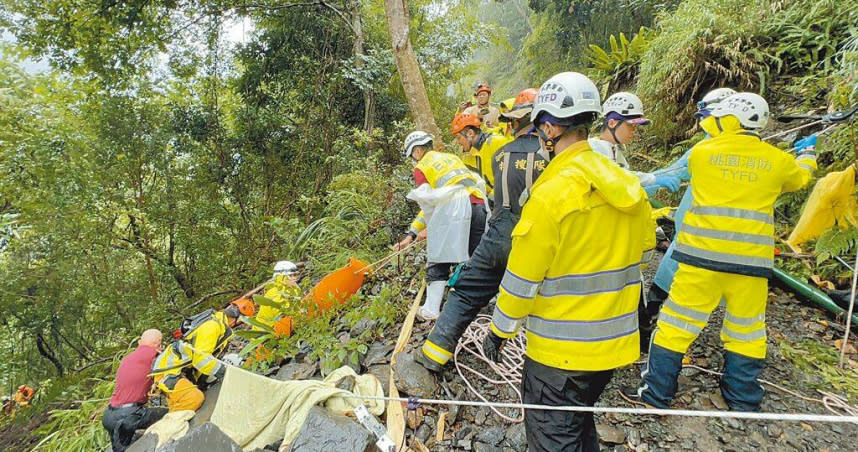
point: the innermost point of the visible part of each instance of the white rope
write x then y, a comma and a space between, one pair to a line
849, 314
786, 417
794, 129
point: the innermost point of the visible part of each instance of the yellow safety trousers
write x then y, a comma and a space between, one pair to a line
696, 292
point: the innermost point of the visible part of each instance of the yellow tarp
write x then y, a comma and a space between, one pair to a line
256, 411
831, 202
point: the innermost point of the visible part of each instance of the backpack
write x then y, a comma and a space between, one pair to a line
191, 323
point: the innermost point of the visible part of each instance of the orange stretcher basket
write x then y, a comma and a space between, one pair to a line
337, 287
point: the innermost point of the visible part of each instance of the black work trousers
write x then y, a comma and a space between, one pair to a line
648, 309
440, 271
121, 423
561, 431
478, 282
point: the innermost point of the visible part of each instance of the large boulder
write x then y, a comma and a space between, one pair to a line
205, 438
324, 431
412, 378
146, 443
204, 414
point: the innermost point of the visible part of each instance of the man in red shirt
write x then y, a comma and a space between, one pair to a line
127, 411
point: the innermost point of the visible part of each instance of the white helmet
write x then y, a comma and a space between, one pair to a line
751, 109
416, 138
714, 97
565, 95
622, 103
285, 268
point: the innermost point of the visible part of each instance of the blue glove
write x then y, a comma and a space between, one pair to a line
668, 181
807, 143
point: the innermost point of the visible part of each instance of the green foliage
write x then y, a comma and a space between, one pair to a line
836, 242
755, 45
78, 428
618, 68
819, 359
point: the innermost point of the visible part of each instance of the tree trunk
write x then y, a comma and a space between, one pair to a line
409, 70
45, 350
358, 49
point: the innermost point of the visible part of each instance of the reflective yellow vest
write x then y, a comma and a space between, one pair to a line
282, 292
574, 273
737, 178
442, 169
197, 349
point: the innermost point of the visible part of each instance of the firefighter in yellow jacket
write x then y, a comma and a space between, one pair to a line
574, 272
725, 249
283, 290
478, 147
197, 349
440, 169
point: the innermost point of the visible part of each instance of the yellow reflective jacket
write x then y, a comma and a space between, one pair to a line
574, 272
479, 158
197, 349
281, 291
442, 169
736, 179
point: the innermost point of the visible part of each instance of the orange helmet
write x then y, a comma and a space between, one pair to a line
527, 96
522, 106
463, 120
483, 87
245, 306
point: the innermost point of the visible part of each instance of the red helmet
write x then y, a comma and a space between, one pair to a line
463, 120
482, 87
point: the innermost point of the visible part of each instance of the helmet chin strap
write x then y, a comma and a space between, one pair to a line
549, 142
613, 130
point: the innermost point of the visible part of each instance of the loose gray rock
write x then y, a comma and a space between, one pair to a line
296, 371
324, 431
483, 447
146, 443
516, 437
491, 435
362, 325
412, 378
610, 434
377, 354
206, 437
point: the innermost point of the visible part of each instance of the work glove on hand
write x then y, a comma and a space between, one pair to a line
492, 346
668, 181
807, 143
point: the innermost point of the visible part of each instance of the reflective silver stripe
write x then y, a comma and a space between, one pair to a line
584, 331
724, 257
755, 239
442, 181
648, 255
591, 283
687, 312
744, 337
504, 322
504, 182
744, 321
437, 356
519, 287
745, 214
664, 317
205, 362
806, 166
528, 174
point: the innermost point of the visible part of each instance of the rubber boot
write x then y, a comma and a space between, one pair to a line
739, 385
427, 362
660, 376
434, 295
